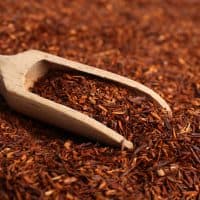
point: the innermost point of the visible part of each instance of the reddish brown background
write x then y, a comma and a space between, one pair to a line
154, 42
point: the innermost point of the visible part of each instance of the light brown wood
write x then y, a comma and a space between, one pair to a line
19, 72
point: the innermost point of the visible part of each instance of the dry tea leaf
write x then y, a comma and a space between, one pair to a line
152, 42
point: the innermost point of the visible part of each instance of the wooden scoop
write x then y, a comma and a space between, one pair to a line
19, 72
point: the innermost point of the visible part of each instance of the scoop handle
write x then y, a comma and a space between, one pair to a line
3, 61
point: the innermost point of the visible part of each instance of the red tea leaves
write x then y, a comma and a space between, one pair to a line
149, 41
112, 106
